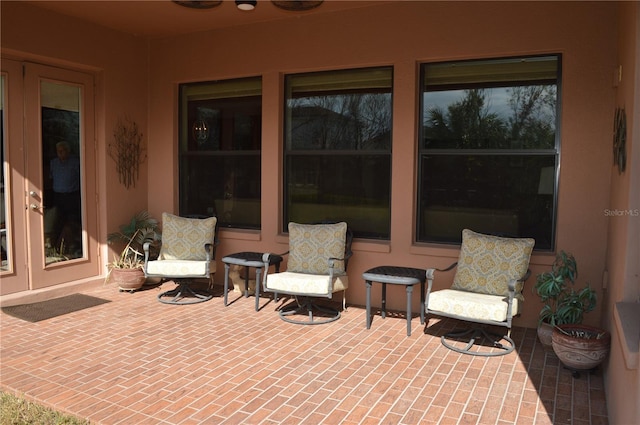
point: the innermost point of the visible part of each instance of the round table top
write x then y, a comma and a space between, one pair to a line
250, 258
396, 275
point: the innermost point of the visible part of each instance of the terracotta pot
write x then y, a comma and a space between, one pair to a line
580, 353
127, 279
545, 330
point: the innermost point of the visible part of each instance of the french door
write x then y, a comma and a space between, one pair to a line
49, 212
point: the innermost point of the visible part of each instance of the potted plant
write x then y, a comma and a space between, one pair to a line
562, 303
126, 269
564, 310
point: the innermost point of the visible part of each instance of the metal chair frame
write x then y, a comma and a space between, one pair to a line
303, 303
184, 293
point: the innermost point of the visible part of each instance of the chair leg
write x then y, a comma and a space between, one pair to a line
184, 294
307, 308
477, 334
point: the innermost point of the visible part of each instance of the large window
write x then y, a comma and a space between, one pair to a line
338, 149
220, 141
489, 146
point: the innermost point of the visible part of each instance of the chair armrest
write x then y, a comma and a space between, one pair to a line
512, 284
431, 275
432, 271
267, 256
210, 249
145, 248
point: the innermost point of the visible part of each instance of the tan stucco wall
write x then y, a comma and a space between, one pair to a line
623, 255
139, 78
133, 73
403, 35
119, 64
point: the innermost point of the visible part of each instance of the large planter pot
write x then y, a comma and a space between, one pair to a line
545, 330
127, 279
580, 347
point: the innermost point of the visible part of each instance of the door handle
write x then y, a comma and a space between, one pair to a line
35, 207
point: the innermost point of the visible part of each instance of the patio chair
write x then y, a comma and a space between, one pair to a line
187, 253
486, 290
317, 265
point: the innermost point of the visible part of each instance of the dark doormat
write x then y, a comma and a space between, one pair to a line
43, 310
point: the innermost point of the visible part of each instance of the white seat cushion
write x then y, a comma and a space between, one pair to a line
180, 268
471, 305
305, 284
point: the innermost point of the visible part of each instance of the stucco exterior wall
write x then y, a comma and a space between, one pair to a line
139, 78
623, 254
119, 64
405, 34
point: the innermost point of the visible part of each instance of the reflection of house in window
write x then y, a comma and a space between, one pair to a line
488, 130
220, 143
338, 149
315, 127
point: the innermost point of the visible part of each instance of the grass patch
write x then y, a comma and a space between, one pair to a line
18, 411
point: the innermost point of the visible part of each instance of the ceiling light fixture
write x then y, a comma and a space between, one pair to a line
297, 6
246, 4
197, 4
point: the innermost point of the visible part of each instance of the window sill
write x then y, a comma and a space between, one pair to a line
365, 245
239, 234
627, 321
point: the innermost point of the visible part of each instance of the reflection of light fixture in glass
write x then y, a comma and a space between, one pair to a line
200, 131
246, 4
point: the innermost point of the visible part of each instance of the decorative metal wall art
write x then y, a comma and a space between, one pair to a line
128, 151
620, 140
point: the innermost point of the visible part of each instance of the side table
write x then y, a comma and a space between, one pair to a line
248, 259
406, 276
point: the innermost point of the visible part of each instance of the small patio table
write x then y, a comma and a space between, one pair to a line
248, 259
394, 275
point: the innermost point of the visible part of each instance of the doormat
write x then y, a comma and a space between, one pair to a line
43, 310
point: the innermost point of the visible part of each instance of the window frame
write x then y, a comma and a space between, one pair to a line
288, 151
226, 93
554, 152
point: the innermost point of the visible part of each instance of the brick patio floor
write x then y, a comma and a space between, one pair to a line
137, 361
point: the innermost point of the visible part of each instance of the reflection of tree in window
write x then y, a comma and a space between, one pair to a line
220, 168
488, 135
338, 149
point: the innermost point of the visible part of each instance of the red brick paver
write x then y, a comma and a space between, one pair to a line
138, 361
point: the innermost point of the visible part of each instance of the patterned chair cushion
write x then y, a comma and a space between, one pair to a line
311, 246
487, 263
184, 238
305, 284
470, 305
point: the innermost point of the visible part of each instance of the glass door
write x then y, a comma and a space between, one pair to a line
58, 158
13, 268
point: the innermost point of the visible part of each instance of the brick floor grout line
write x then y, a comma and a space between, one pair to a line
511, 376
423, 417
366, 332
363, 378
415, 342
133, 320
298, 357
555, 407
